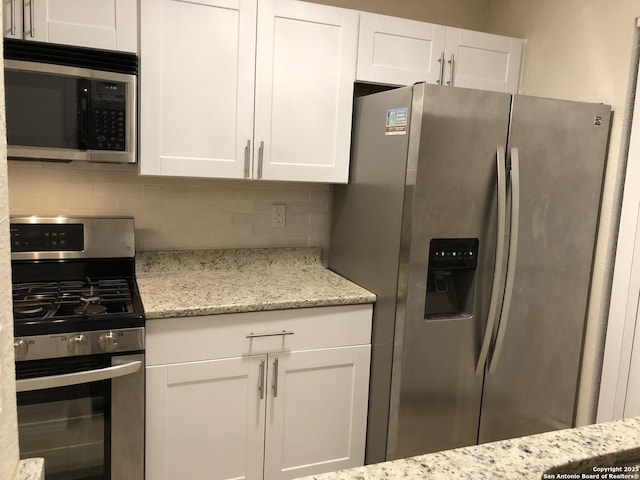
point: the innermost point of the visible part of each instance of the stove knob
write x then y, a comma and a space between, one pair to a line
78, 345
108, 341
20, 348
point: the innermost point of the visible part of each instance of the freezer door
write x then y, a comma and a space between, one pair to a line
532, 379
436, 393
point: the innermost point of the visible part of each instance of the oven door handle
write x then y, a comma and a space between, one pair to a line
53, 381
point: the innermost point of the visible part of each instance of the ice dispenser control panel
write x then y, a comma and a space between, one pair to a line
448, 253
451, 278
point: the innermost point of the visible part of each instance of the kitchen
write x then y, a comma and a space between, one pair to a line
581, 53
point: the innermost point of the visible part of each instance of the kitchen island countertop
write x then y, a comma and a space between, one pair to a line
208, 282
592, 451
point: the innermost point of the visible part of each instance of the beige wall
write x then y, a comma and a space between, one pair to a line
471, 14
580, 50
8, 418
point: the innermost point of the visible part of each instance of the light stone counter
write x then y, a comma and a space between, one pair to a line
31, 469
564, 454
206, 282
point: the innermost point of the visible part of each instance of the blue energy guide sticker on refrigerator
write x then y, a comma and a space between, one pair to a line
397, 120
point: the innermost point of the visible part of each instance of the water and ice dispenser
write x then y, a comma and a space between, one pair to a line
451, 278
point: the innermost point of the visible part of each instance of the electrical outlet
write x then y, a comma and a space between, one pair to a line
278, 215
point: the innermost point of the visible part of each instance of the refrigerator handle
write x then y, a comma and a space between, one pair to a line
513, 253
497, 272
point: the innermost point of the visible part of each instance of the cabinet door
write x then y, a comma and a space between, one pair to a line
205, 420
317, 411
306, 65
399, 51
197, 61
108, 24
482, 61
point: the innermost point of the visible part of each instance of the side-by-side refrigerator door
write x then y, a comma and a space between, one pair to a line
557, 153
447, 271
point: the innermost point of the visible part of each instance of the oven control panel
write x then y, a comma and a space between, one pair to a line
47, 237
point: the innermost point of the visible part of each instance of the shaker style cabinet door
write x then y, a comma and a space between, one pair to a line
107, 24
482, 61
399, 51
206, 419
306, 61
317, 411
197, 62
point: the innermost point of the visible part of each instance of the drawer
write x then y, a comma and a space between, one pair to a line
188, 339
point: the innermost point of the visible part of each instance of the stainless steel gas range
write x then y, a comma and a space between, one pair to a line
79, 346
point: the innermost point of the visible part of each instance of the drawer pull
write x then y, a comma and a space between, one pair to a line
269, 334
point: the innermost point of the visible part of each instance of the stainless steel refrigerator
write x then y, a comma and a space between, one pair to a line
472, 215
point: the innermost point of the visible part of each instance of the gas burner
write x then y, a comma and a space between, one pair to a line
67, 299
30, 310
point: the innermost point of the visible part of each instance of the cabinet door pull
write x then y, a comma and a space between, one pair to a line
441, 62
13, 17
261, 383
275, 377
452, 64
269, 334
247, 155
31, 20
260, 159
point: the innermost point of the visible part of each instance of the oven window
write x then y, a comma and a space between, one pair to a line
69, 427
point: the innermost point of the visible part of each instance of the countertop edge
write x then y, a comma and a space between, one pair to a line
286, 305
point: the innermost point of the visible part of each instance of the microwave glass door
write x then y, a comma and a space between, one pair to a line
45, 110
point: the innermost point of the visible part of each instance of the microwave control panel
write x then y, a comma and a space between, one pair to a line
107, 120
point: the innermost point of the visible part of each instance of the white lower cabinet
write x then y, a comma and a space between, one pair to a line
316, 413
277, 410
204, 420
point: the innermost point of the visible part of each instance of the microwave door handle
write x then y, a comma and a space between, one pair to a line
68, 379
83, 114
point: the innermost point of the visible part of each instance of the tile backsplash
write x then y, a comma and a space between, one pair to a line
176, 213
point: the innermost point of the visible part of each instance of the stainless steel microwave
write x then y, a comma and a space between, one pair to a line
69, 112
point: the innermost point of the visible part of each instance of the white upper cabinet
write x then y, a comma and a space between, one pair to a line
196, 87
401, 52
200, 75
306, 62
107, 24
482, 61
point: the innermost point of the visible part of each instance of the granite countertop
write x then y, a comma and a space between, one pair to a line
31, 469
206, 282
553, 455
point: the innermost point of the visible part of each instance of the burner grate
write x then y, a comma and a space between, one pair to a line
76, 298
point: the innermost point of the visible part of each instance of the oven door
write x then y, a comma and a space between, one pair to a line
83, 415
